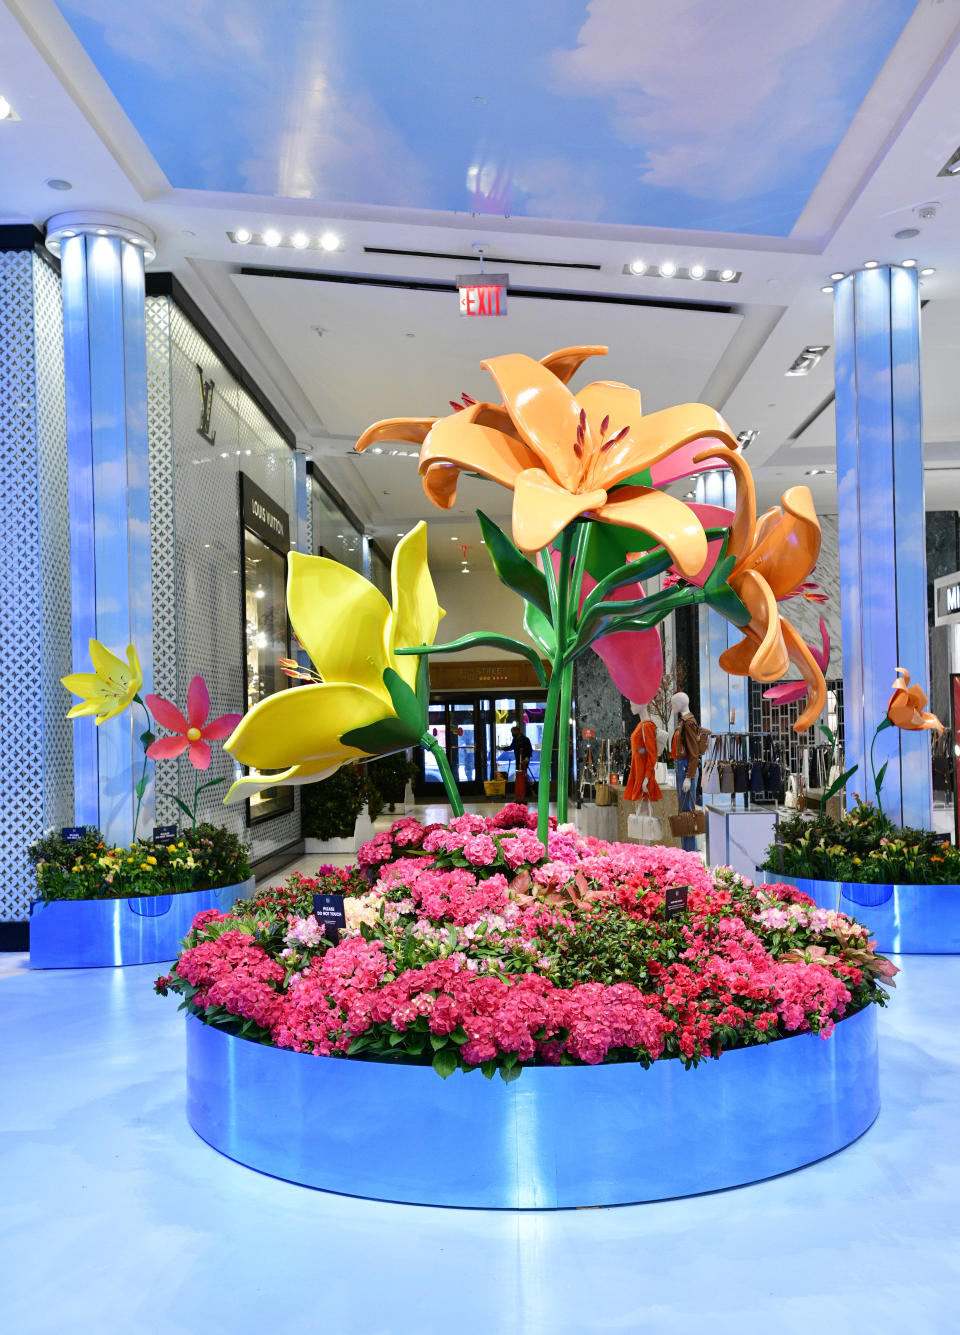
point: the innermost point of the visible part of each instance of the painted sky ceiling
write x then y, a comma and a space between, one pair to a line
715, 115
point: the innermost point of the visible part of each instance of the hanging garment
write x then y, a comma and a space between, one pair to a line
643, 766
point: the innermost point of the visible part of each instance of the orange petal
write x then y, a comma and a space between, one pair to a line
745, 518
656, 436
478, 449
737, 659
544, 412
541, 509
785, 552
810, 671
771, 660
566, 362
411, 429
665, 518
440, 484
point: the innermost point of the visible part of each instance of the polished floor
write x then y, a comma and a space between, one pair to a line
116, 1219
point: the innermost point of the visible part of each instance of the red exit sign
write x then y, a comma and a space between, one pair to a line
483, 294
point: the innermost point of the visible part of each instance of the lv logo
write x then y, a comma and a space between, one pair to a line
206, 408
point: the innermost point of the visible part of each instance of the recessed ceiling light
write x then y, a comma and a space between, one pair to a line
330, 241
56, 183
101, 231
638, 267
827, 287
925, 273
909, 264
272, 237
696, 270
241, 236
689, 495
747, 437
871, 264
818, 472
727, 275
300, 241
667, 269
454, 539
835, 277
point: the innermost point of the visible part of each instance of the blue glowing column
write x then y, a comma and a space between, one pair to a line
883, 579
109, 483
721, 696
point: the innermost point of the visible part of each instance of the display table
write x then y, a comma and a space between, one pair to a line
599, 822
559, 1136
90, 933
739, 838
904, 919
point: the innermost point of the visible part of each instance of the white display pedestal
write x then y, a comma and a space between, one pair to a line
598, 822
739, 839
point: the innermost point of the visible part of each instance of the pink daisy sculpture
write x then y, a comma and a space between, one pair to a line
193, 731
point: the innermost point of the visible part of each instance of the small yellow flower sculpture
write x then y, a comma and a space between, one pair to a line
365, 698
110, 688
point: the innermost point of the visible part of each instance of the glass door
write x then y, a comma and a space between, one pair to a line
455, 725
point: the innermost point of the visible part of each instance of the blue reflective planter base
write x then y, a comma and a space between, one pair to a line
557, 1137
904, 919
89, 933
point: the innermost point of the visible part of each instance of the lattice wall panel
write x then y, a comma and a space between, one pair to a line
196, 537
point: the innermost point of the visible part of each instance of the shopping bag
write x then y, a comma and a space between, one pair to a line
650, 829
686, 824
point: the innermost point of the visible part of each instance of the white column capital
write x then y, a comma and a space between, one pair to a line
86, 222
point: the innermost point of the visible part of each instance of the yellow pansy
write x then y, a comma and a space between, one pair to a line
110, 688
365, 699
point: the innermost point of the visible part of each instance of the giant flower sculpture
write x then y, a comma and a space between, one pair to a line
365, 699
905, 708
110, 688
772, 556
565, 455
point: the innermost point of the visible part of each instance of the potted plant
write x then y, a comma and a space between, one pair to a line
331, 809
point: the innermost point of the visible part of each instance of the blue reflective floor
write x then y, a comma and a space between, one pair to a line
116, 1219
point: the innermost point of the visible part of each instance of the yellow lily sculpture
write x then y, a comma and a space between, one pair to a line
110, 688
366, 699
564, 455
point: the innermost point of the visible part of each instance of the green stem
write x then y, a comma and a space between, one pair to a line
579, 564
546, 748
563, 741
559, 598
873, 771
446, 773
142, 785
196, 795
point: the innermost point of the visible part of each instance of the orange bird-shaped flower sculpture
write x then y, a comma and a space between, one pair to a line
564, 455
774, 556
906, 707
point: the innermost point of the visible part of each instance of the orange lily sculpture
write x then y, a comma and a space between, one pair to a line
564, 455
906, 707
774, 554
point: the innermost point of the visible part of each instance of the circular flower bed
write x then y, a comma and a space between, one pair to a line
471, 946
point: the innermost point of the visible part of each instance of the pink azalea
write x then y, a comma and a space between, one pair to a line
788, 691
193, 731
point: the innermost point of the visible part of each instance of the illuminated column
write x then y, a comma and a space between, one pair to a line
720, 694
102, 260
883, 581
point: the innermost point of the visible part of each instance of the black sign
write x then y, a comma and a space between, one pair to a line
164, 834
675, 901
940, 838
330, 914
263, 516
72, 834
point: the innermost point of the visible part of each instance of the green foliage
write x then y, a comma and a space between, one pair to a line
203, 858
389, 776
865, 846
513, 568
329, 809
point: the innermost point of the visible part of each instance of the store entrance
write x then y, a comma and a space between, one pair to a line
476, 731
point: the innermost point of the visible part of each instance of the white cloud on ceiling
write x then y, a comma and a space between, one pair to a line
723, 99
559, 188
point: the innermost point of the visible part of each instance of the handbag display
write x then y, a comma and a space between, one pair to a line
686, 824
604, 795
741, 767
710, 770
660, 772
758, 777
790, 793
650, 828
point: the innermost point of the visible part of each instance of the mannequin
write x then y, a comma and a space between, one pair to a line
686, 753
646, 743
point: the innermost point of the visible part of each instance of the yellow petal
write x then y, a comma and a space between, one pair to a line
340, 619
650, 438
87, 707
89, 685
542, 509
665, 518
416, 613
311, 772
304, 723
543, 411
107, 664
136, 672
566, 362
